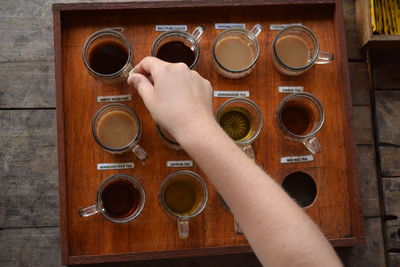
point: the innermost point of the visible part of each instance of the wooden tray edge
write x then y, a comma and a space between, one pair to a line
157, 255
62, 171
353, 184
179, 4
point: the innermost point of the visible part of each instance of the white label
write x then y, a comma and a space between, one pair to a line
278, 27
114, 98
224, 26
290, 89
231, 93
166, 28
296, 159
115, 166
179, 163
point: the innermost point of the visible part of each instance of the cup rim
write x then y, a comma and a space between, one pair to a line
254, 106
202, 205
164, 137
310, 97
241, 31
309, 33
184, 34
136, 138
137, 185
99, 34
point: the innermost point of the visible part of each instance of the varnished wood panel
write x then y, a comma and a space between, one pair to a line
153, 234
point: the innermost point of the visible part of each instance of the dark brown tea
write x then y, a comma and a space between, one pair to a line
120, 199
175, 52
108, 57
301, 187
297, 118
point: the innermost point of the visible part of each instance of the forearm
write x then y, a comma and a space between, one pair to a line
279, 232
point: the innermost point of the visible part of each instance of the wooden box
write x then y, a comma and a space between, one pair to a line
153, 234
368, 39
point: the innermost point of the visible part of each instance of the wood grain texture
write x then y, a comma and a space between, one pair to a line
391, 197
370, 255
336, 209
369, 184
385, 69
393, 259
390, 160
388, 116
360, 83
362, 125
28, 173
30, 247
352, 35
27, 85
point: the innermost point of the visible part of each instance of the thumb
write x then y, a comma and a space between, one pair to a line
143, 85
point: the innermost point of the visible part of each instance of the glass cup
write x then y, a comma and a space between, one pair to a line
117, 129
183, 195
167, 138
107, 56
236, 51
236, 225
242, 120
120, 199
300, 116
178, 46
296, 49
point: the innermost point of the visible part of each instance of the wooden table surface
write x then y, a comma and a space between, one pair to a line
29, 212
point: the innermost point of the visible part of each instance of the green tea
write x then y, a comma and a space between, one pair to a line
183, 196
236, 123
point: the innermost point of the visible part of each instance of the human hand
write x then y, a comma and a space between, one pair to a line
176, 96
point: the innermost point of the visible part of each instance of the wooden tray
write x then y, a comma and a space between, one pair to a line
153, 234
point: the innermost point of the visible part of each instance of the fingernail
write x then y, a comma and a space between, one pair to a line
132, 71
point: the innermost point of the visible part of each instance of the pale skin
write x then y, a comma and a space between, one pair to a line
277, 229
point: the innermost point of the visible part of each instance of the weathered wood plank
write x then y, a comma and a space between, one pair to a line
353, 43
388, 116
27, 85
390, 160
370, 201
28, 173
360, 84
391, 196
28, 38
393, 259
386, 69
30, 247
372, 254
40, 247
362, 124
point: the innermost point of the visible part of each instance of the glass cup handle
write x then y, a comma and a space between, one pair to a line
313, 145
238, 230
183, 228
89, 211
128, 70
256, 30
249, 152
198, 32
324, 58
140, 153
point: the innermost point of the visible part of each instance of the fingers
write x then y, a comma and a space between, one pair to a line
148, 66
142, 84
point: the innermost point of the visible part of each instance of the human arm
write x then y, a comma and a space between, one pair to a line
279, 232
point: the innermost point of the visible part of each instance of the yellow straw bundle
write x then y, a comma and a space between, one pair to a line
385, 16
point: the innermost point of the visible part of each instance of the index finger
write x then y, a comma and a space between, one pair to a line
148, 66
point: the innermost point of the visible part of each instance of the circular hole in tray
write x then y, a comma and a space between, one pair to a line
301, 187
